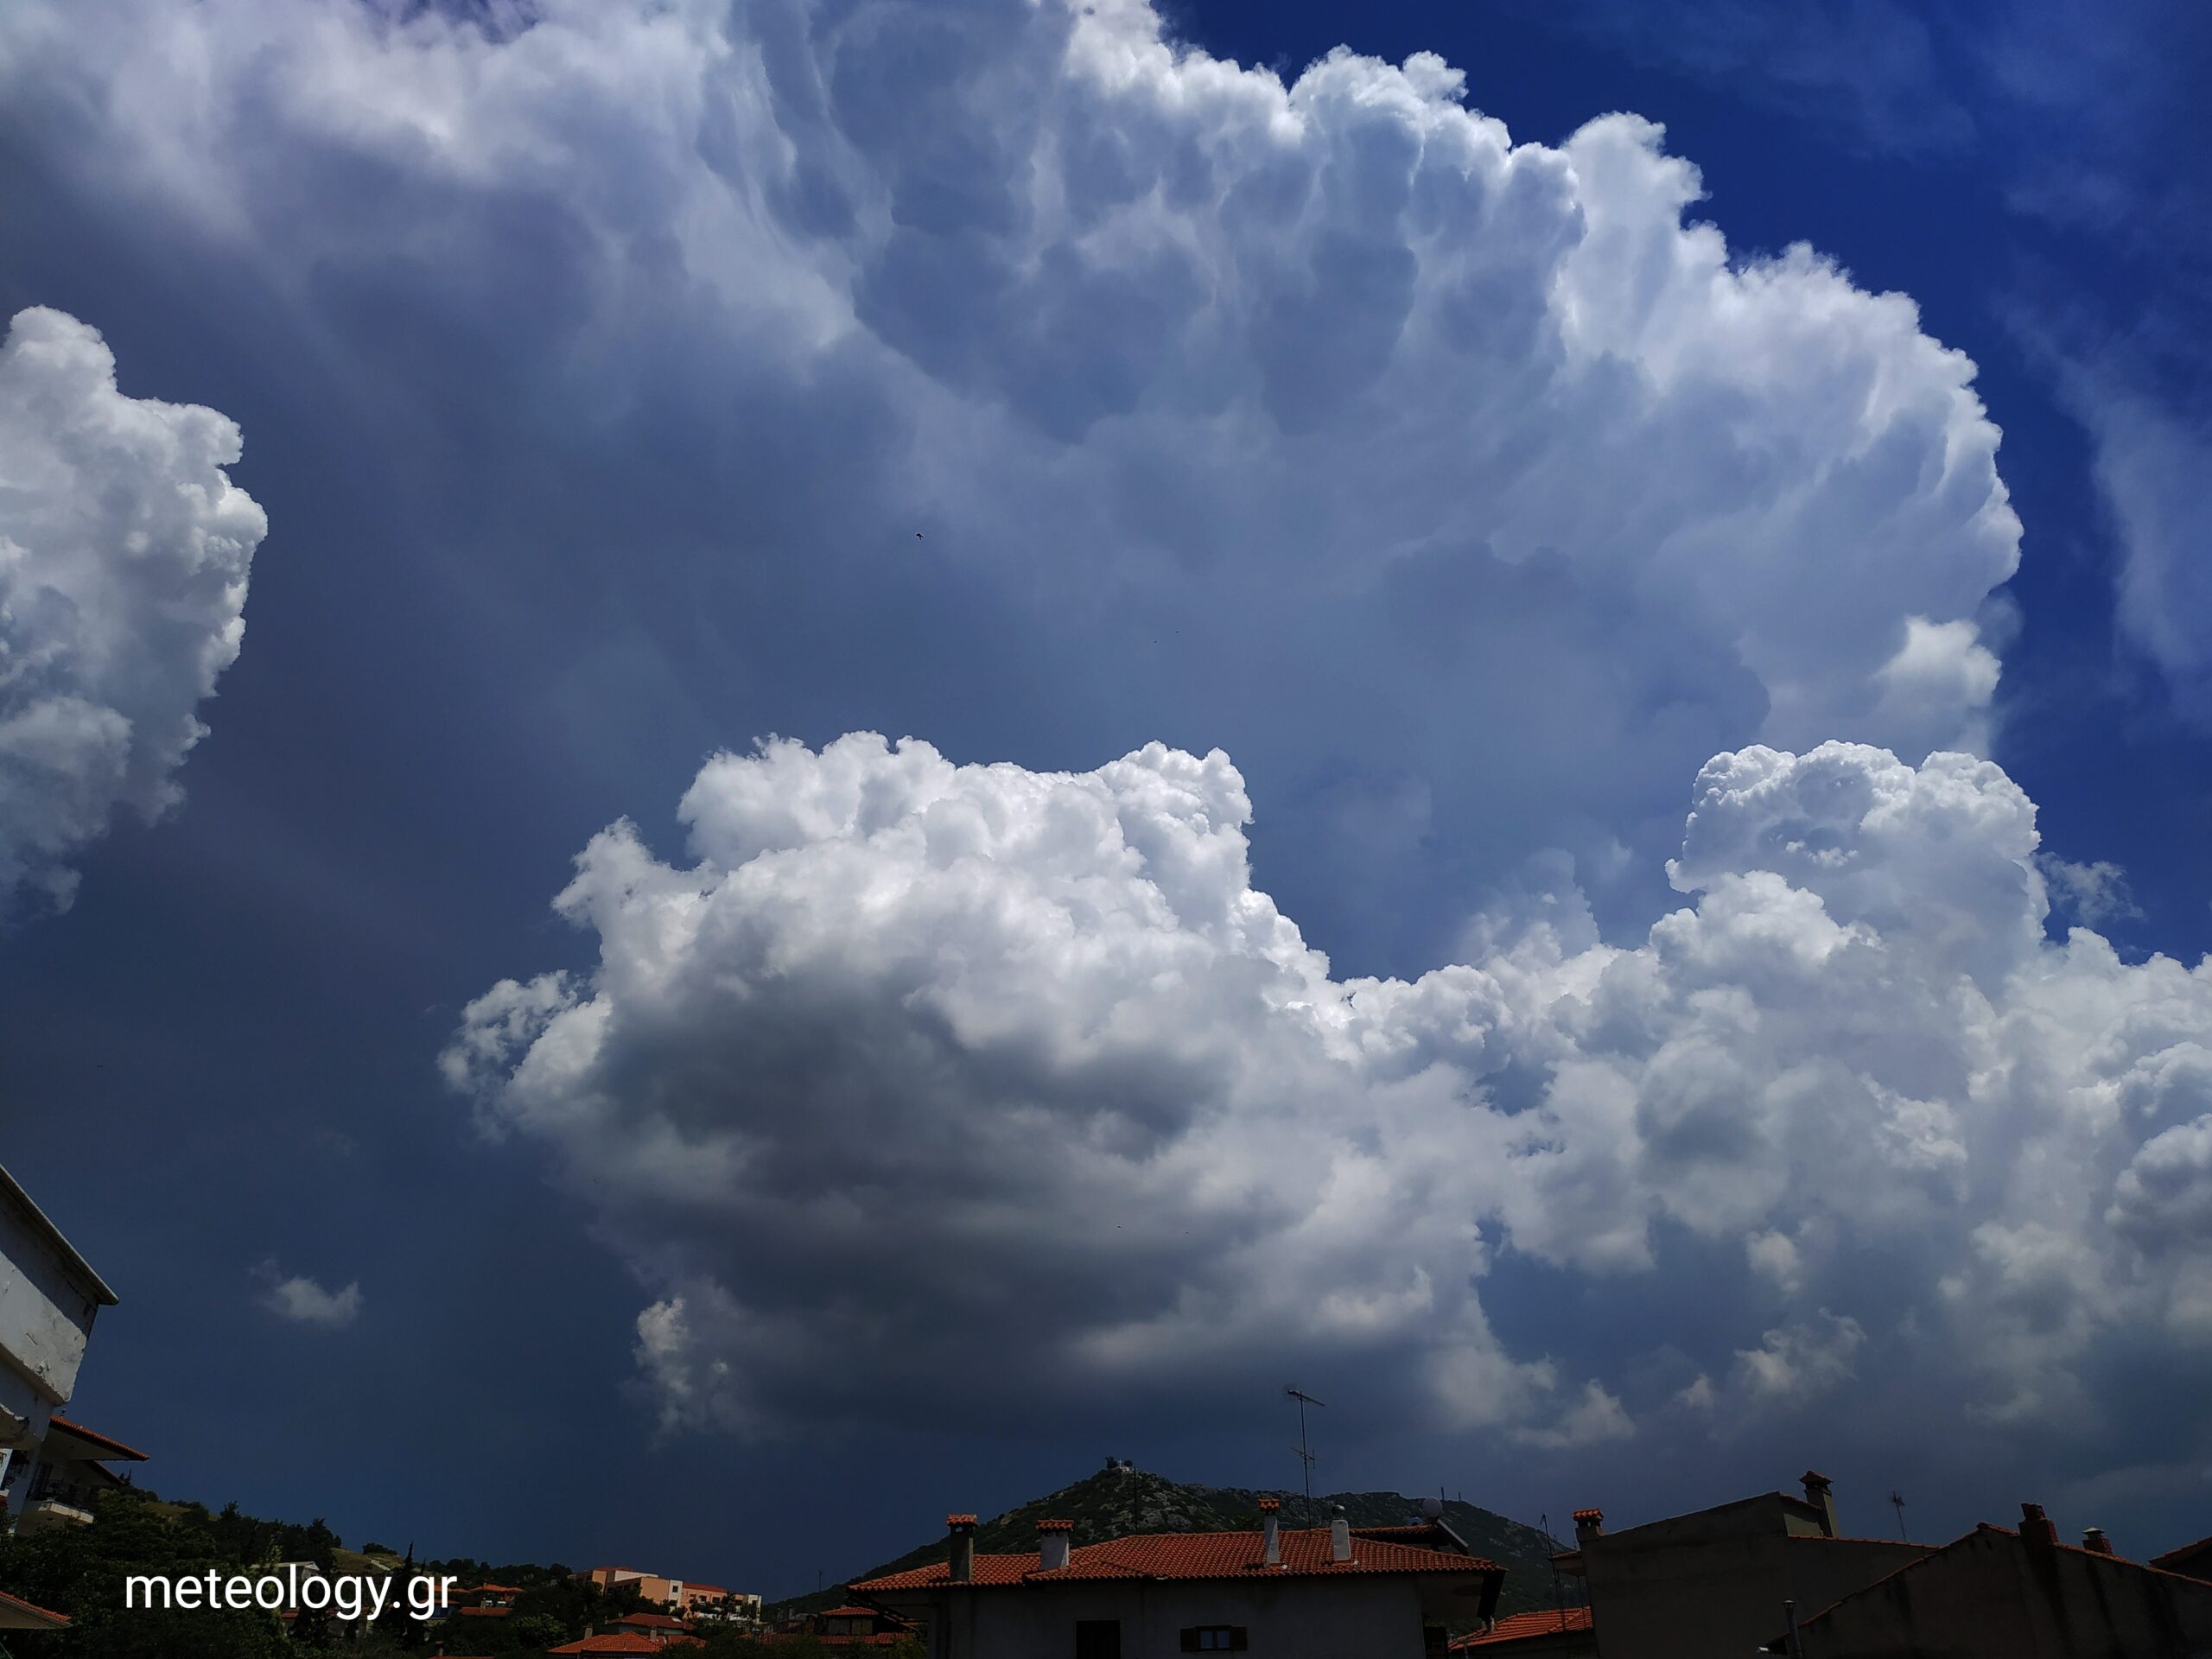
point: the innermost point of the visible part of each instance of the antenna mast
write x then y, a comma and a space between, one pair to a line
1896, 1503
1305, 1453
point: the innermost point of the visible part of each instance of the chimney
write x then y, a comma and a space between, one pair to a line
1271, 1530
1818, 1494
962, 1529
1053, 1538
1339, 1536
2036, 1527
1589, 1524
2094, 1541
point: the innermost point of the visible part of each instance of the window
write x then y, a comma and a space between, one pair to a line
1098, 1638
1214, 1638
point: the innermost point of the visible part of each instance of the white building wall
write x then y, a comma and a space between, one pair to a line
47, 1302
45, 1318
1337, 1618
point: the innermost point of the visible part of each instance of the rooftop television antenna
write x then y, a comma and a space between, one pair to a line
1896, 1503
1305, 1453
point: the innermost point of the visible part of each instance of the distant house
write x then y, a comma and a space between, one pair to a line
652, 1589
1554, 1633
484, 1601
663, 1626
49, 1296
1284, 1592
1717, 1581
853, 1626
711, 1601
617, 1642
1999, 1595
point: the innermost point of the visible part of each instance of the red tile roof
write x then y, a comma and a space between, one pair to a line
491, 1590
2171, 1560
627, 1641
41, 1620
652, 1622
1193, 1555
113, 1448
484, 1613
1524, 1627
852, 1610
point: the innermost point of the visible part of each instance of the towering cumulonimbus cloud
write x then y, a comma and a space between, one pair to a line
1474, 493
1320, 421
1012, 1082
125, 551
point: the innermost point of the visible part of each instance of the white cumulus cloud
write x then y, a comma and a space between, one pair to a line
302, 1301
1012, 1081
123, 556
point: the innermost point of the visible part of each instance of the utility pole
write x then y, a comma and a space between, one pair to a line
1305, 1453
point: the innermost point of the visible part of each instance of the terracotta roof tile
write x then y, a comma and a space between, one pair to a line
1193, 1555
112, 1448
1524, 1627
44, 1619
626, 1642
2165, 1562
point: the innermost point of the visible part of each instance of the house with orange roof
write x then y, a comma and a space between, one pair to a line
484, 1601
645, 1624
630, 1642
1294, 1593
856, 1624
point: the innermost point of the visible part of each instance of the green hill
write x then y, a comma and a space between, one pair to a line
1119, 1501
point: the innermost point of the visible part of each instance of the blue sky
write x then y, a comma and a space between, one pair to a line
1525, 1034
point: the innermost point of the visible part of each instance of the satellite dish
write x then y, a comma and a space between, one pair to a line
1433, 1508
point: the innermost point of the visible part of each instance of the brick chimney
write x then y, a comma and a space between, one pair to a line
1588, 1524
1053, 1538
1819, 1495
963, 1558
2036, 1527
1339, 1536
2094, 1541
1271, 1530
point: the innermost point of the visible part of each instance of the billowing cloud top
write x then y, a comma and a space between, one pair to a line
123, 555
1012, 1082
1314, 420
